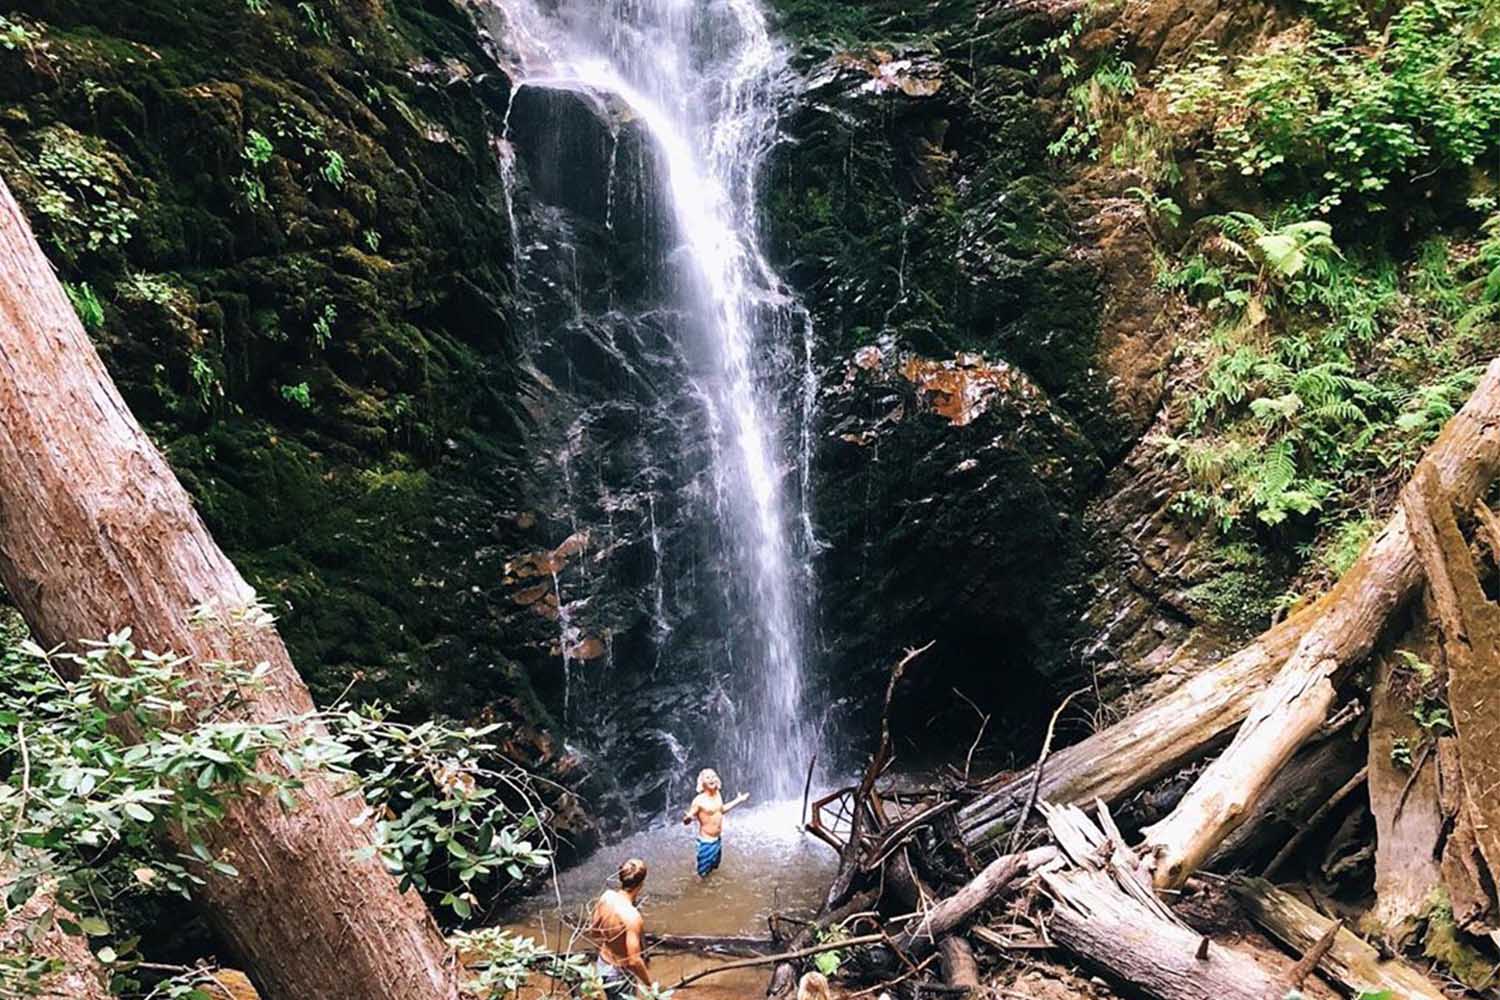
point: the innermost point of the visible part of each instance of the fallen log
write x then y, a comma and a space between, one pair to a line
1348, 621
1176, 729
1348, 961
1104, 915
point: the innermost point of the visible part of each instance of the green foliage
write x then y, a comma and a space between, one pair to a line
500, 963
84, 812
323, 325
257, 6
86, 304
81, 195
315, 21
256, 153
333, 169
299, 395
1348, 110
1344, 542
14, 35
1094, 100
1313, 384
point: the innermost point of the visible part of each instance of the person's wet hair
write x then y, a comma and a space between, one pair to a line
632, 874
708, 778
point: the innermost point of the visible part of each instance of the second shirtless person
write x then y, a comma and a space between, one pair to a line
709, 809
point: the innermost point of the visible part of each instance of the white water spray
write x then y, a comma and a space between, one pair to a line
699, 76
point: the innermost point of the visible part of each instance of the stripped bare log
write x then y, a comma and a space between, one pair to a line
1105, 915
1348, 621
1348, 961
1301, 788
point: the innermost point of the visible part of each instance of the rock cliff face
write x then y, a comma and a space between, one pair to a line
405, 334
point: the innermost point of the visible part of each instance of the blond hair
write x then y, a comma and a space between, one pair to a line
632, 874
708, 778
814, 986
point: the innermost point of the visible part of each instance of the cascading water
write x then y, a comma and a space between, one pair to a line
699, 76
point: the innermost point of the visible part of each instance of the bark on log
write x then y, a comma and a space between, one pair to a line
1175, 730
79, 975
96, 534
1350, 962
1404, 801
1350, 619
960, 969
1471, 648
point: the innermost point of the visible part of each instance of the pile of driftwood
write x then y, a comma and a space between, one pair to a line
1255, 768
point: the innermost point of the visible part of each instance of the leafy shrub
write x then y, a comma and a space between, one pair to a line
84, 812
1343, 112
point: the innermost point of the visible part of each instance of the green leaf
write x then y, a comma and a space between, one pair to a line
93, 926
138, 812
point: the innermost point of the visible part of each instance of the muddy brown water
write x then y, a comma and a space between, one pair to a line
769, 866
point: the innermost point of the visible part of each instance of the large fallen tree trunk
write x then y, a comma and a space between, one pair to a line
96, 534
1348, 961
1348, 622
1174, 730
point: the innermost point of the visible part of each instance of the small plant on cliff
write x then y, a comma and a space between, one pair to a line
256, 153
333, 170
323, 325
315, 21
298, 395
257, 6
86, 304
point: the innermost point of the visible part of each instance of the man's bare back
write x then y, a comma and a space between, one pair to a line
618, 928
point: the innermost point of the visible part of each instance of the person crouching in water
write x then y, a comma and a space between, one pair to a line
709, 809
619, 929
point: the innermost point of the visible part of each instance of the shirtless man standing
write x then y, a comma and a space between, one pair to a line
618, 928
709, 809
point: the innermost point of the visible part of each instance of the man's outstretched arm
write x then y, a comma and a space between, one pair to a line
738, 799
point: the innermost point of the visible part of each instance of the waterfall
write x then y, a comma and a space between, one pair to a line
700, 77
